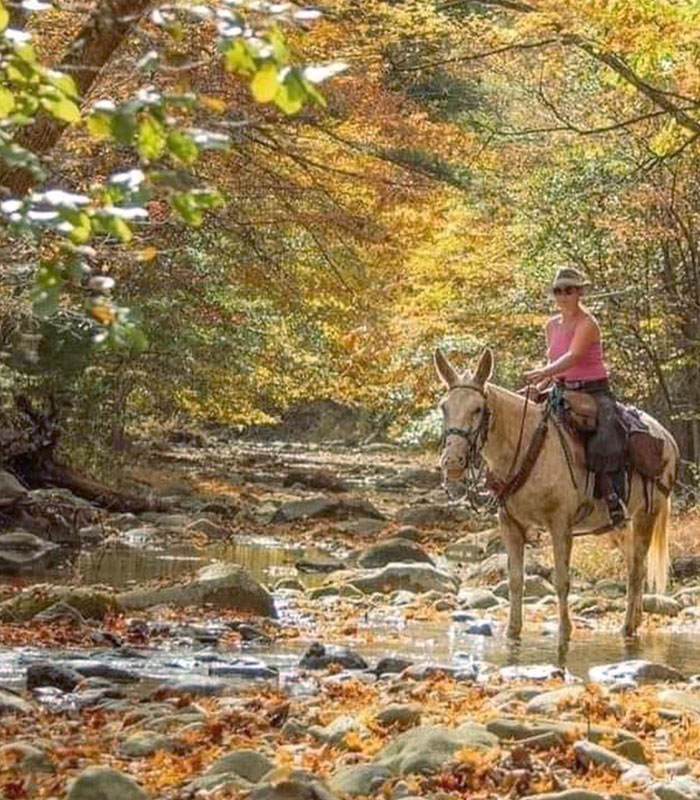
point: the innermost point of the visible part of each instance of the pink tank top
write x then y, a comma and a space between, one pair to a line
590, 368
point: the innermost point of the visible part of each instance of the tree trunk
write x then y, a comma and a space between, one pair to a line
89, 52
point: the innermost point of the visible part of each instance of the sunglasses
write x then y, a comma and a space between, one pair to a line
567, 290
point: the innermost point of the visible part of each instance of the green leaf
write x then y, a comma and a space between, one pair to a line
124, 128
312, 92
239, 59
291, 95
65, 83
265, 83
64, 109
100, 125
116, 226
279, 45
184, 205
4, 18
151, 139
182, 147
7, 102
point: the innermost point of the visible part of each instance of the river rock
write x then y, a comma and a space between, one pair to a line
103, 783
44, 673
391, 665
533, 586
361, 527
142, 744
11, 703
281, 784
244, 667
315, 479
683, 701
511, 728
429, 748
90, 668
60, 612
412, 478
335, 732
196, 685
11, 489
363, 780
589, 754
471, 598
428, 516
683, 787
247, 764
393, 550
403, 716
409, 532
20, 550
413, 577
325, 508
495, 568
92, 603
222, 585
567, 794
320, 656
550, 702
660, 604
29, 759
637, 670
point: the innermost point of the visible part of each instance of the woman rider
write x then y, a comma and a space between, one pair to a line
575, 361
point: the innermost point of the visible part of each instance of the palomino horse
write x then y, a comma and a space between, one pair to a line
481, 419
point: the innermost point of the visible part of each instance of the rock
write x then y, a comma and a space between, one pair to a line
89, 668
360, 781
245, 667
551, 702
281, 784
144, 743
660, 604
684, 701
28, 759
320, 656
293, 729
103, 783
400, 715
607, 587
495, 568
637, 670
362, 526
393, 550
532, 672
484, 628
567, 794
429, 748
632, 750
685, 567
20, 550
413, 577
60, 612
589, 753
325, 508
11, 489
289, 585
44, 673
323, 591
534, 586
315, 479
408, 532
11, 703
335, 732
92, 603
683, 787
92, 534
414, 478
428, 516
221, 585
511, 728
247, 764
391, 665
196, 685
319, 565
477, 598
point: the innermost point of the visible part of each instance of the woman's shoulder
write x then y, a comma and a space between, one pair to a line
589, 320
552, 322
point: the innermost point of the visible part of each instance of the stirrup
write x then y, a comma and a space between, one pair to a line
617, 512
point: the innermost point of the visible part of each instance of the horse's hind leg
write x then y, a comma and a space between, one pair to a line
514, 540
561, 543
638, 540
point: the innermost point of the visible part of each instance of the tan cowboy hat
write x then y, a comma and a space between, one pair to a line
567, 276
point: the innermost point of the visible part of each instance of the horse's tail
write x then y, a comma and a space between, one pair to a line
657, 562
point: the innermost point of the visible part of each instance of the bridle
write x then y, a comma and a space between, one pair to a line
476, 439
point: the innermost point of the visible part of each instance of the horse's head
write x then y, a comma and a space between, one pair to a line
465, 419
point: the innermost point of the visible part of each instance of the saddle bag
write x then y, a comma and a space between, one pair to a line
582, 410
646, 454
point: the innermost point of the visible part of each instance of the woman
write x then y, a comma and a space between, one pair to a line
575, 361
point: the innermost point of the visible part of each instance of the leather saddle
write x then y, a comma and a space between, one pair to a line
644, 452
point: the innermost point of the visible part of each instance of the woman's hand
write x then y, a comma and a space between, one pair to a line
536, 376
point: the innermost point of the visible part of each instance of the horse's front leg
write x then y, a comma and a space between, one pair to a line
514, 540
561, 543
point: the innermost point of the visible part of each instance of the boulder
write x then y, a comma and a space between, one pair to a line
20, 551
533, 586
636, 671
142, 744
103, 783
551, 702
477, 598
359, 781
222, 585
247, 764
44, 673
29, 759
60, 612
320, 656
413, 577
429, 748
283, 784
403, 716
393, 550
660, 604
683, 701
325, 508
91, 602
11, 703
11, 489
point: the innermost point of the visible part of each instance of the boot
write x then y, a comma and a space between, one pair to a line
616, 510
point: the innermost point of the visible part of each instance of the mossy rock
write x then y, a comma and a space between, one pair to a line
91, 602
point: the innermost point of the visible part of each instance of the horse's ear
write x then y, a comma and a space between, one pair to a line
448, 374
484, 368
